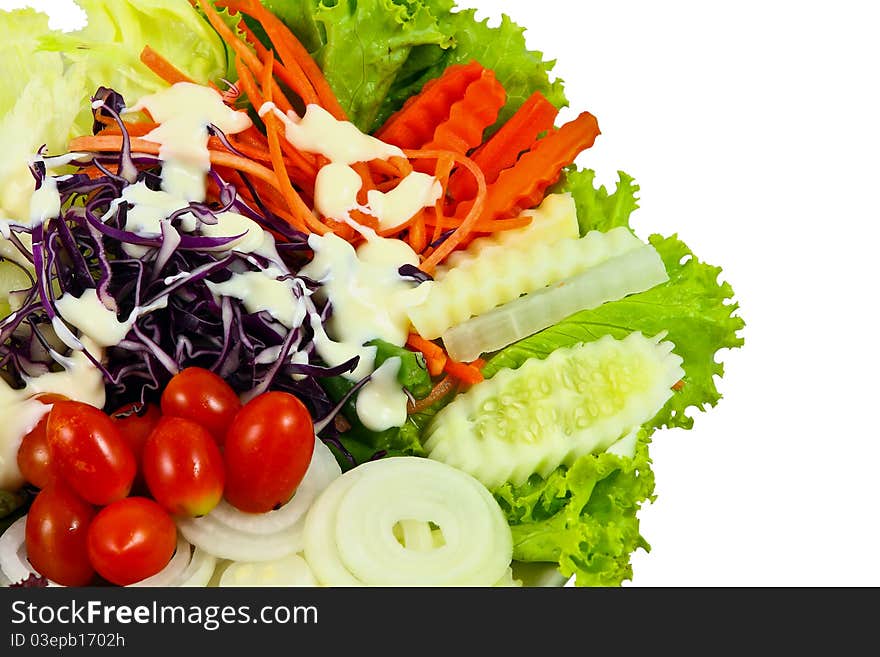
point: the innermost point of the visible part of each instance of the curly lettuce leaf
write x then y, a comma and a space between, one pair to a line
583, 518
694, 308
597, 209
378, 53
361, 46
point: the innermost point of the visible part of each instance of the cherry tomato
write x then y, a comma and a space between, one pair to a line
268, 450
33, 453
130, 540
203, 397
56, 533
183, 467
88, 451
136, 422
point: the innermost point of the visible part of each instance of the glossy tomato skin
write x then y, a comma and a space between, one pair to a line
33, 453
136, 422
203, 397
183, 467
56, 536
130, 540
89, 453
268, 450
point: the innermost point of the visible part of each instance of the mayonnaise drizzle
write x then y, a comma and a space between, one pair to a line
320, 132
184, 111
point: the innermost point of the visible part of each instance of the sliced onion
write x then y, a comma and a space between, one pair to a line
291, 570
199, 571
350, 530
322, 470
13, 554
228, 533
175, 568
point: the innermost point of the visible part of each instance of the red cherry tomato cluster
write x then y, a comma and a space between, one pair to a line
111, 484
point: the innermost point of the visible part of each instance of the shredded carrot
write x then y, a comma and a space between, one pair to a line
435, 357
417, 235
162, 67
463, 372
480, 226
450, 244
134, 129
294, 202
427, 347
293, 53
441, 173
241, 49
443, 387
678, 385
113, 143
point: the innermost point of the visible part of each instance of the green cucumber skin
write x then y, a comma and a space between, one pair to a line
547, 413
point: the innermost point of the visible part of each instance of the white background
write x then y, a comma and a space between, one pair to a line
752, 128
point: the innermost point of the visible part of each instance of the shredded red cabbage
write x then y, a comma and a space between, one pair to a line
84, 248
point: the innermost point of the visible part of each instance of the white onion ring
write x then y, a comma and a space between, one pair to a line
228, 533
199, 571
13, 555
349, 531
291, 570
171, 572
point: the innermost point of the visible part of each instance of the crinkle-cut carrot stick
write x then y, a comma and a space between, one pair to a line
414, 124
450, 244
162, 67
470, 116
295, 204
293, 53
113, 144
522, 186
502, 150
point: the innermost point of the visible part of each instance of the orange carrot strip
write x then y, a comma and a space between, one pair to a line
292, 52
414, 124
113, 143
133, 129
479, 363
470, 116
418, 239
502, 150
446, 385
428, 348
441, 173
241, 49
162, 67
299, 209
450, 244
523, 185
480, 226
463, 372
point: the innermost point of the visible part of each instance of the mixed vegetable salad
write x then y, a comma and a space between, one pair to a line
309, 293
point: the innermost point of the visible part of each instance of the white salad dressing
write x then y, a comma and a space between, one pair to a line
320, 132
393, 208
184, 111
381, 403
80, 380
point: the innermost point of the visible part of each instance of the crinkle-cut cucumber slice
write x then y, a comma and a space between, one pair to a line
555, 219
635, 271
547, 413
501, 275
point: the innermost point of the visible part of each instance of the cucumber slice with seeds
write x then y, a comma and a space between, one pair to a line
547, 413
